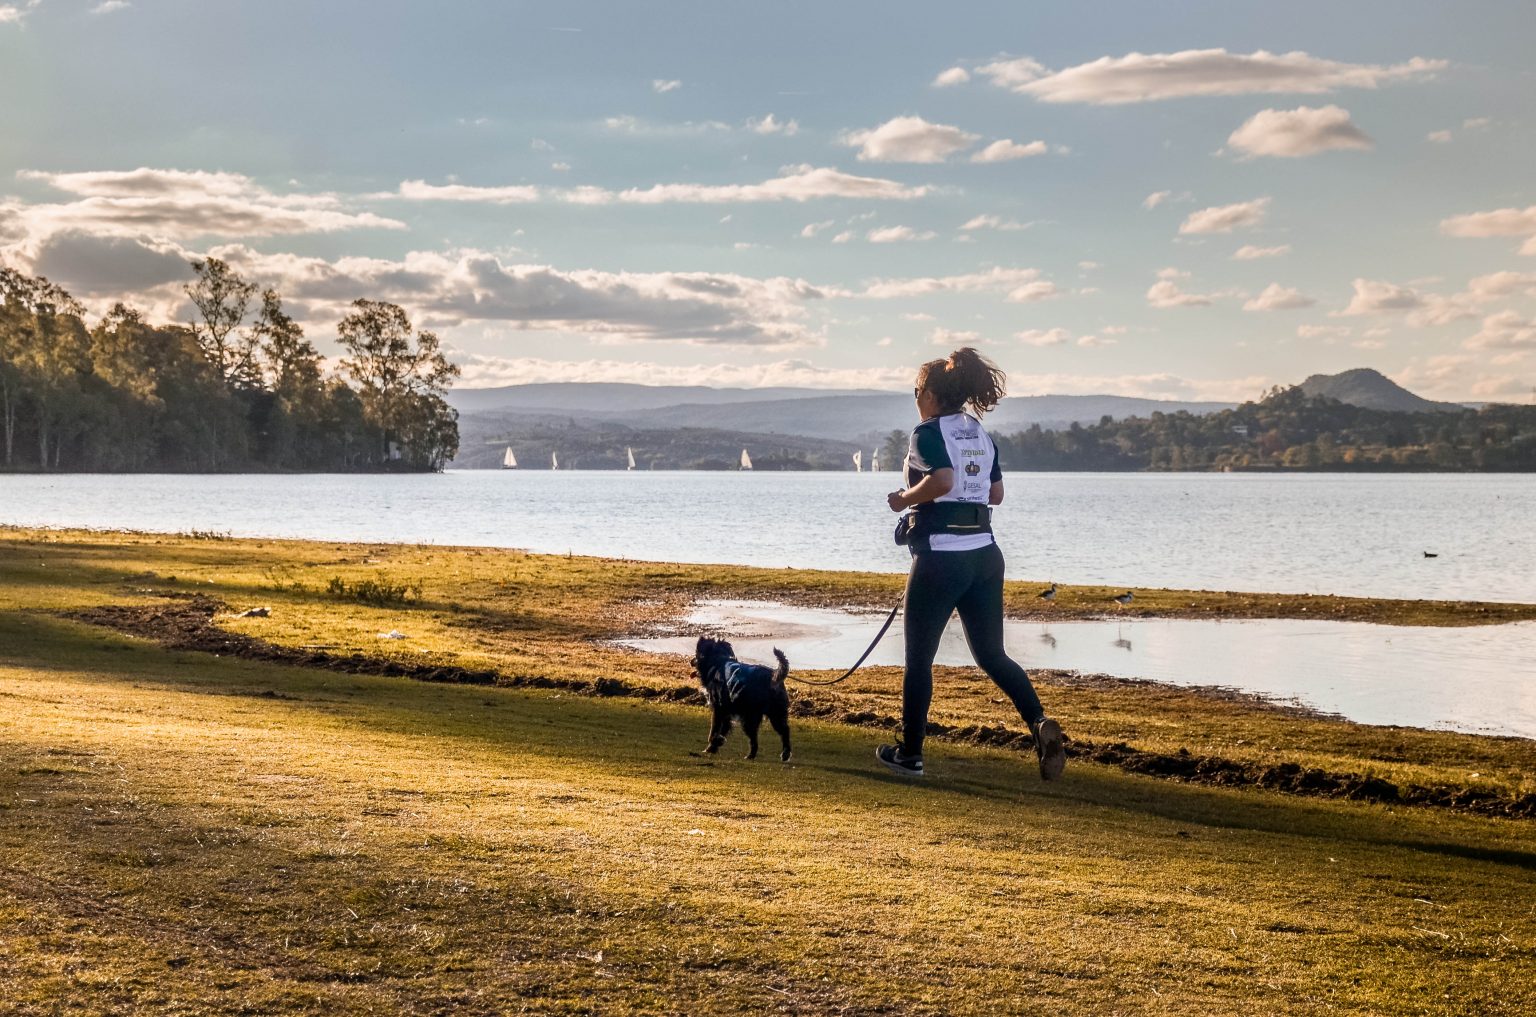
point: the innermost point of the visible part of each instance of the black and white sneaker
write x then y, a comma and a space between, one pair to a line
897, 760
1050, 748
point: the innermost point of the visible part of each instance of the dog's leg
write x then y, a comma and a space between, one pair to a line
749, 724
780, 721
719, 727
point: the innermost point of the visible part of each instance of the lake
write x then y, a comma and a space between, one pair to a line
1480, 680
1300, 533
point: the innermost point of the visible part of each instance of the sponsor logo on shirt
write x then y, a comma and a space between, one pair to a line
971, 469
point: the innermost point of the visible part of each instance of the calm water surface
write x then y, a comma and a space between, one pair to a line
1318, 533
1481, 680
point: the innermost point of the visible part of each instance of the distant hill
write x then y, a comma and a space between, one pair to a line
845, 415
611, 397
595, 444
1372, 390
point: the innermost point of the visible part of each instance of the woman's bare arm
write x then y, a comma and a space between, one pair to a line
934, 485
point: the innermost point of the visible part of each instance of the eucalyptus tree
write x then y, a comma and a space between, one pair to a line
396, 376
222, 298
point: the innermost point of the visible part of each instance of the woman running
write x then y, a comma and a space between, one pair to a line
952, 478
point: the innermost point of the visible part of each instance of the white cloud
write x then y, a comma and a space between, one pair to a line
1505, 330
798, 183
1477, 123
1323, 331
15, 14
1455, 376
1009, 280
1248, 252
769, 125
1497, 285
1043, 337
560, 167
1155, 199
1006, 151
1147, 386
109, 6
843, 237
1501, 222
1029, 293
948, 337
1226, 218
1369, 344
1375, 297
1439, 137
1088, 266
1166, 292
897, 235
994, 222
420, 190
1147, 77
953, 76
446, 290
811, 229
661, 86
628, 124
481, 371
1298, 132
909, 139
181, 205
1275, 297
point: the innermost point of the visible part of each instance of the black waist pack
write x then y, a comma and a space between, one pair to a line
943, 517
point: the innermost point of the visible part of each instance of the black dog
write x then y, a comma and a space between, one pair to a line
748, 692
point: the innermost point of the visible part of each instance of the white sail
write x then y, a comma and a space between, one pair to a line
508, 460
746, 460
554, 461
631, 453
858, 461
874, 461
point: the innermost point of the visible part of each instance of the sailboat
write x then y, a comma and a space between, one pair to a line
508, 460
631, 453
874, 461
554, 461
746, 460
858, 461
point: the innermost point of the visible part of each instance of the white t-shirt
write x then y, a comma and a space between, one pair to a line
957, 442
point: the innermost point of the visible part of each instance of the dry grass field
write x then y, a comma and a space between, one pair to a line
307, 829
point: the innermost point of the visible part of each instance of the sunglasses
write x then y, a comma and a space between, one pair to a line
916, 392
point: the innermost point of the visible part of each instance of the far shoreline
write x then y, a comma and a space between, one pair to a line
880, 590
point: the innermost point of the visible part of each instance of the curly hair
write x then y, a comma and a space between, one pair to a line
964, 379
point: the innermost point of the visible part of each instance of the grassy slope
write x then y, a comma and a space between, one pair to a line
186, 833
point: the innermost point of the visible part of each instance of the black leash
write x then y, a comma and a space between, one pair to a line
868, 650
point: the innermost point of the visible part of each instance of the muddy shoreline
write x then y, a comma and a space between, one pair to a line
188, 622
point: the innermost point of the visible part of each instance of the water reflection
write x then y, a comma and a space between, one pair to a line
1480, 679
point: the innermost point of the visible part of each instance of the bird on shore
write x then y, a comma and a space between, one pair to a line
1047, 595
1431, 554
1124, 598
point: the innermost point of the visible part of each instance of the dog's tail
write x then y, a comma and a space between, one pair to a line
783, 672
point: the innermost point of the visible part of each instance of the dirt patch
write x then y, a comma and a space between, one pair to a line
186, 623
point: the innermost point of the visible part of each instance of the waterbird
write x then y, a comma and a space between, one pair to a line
1431, 554
1124, 598
1047, 594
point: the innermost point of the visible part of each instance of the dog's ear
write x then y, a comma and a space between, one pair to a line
703, 646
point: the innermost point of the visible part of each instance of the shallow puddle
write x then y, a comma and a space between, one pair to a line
1480, 679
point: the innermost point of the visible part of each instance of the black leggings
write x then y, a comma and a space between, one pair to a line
971, 582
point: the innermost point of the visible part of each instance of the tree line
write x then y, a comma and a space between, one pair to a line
1288, 430
1285, 430
237, 387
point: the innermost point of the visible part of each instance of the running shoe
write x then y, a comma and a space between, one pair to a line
896, 759
1050, 748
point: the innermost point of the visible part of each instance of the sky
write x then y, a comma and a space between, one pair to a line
1177, 200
